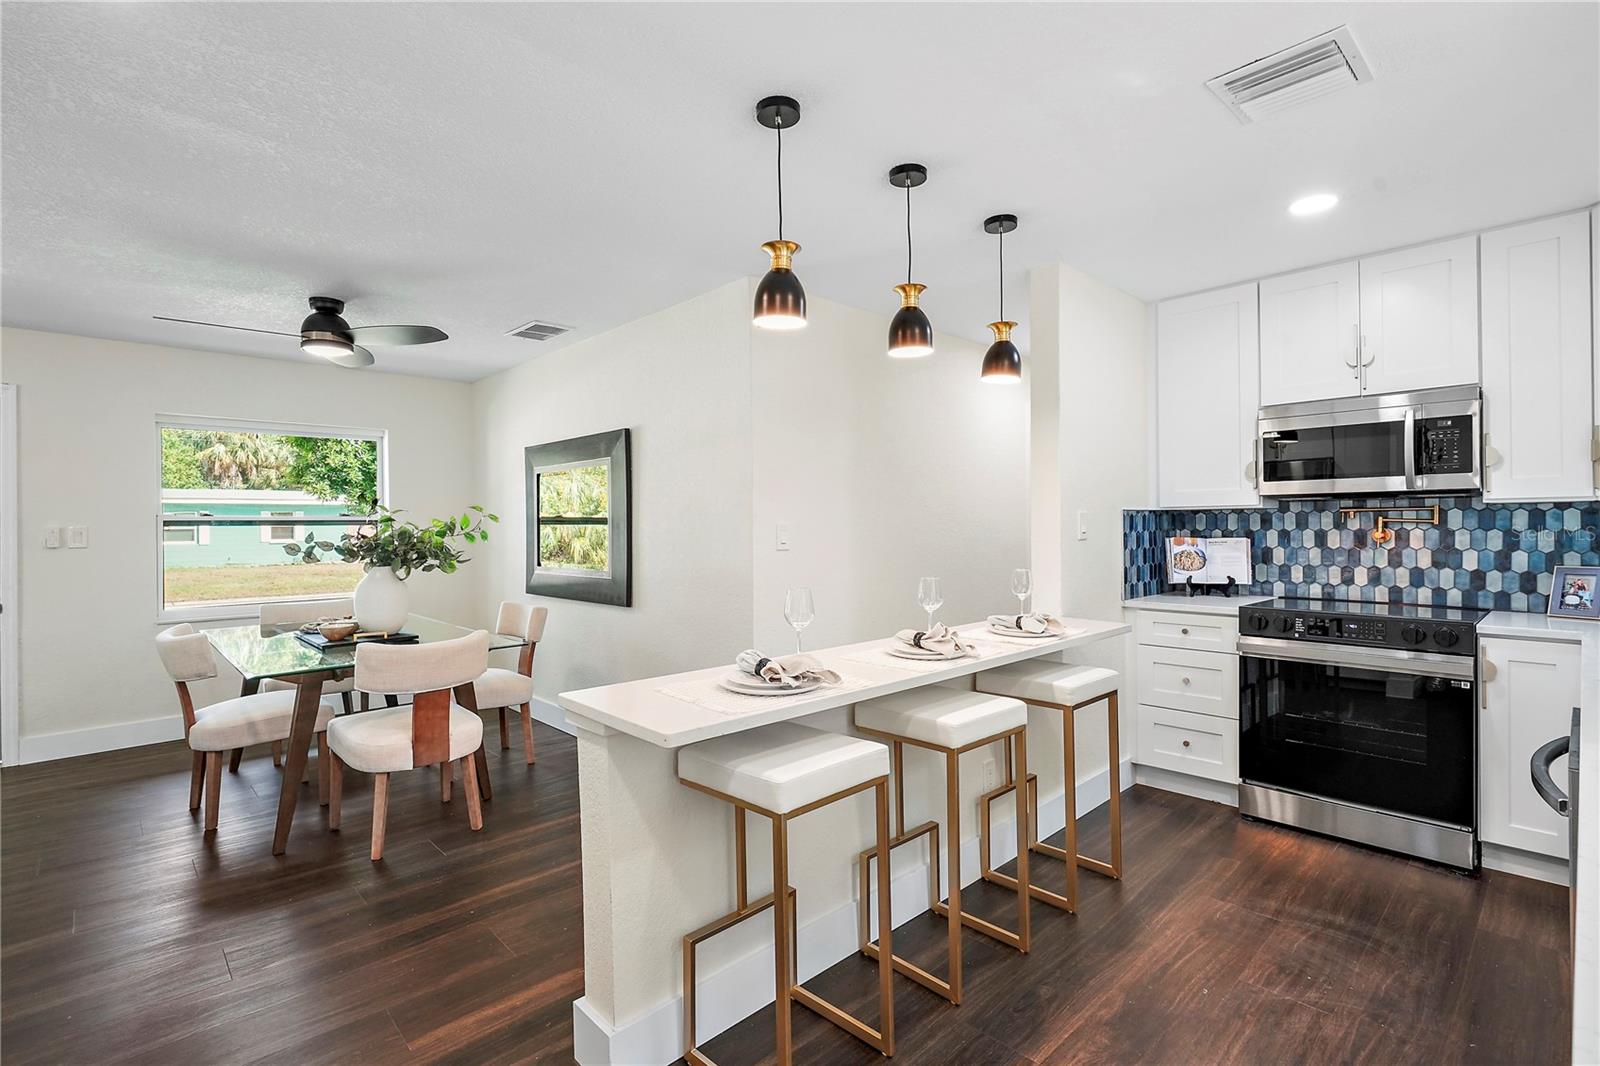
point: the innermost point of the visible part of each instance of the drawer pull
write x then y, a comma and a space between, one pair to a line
1186, 681
1184, 631
1186, 743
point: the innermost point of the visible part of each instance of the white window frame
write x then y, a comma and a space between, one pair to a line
244, 609
581, 464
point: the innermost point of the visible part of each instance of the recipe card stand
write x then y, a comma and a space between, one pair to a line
1206, 590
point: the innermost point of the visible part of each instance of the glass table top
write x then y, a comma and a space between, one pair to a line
258, 651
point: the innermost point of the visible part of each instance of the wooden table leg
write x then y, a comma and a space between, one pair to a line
307, 701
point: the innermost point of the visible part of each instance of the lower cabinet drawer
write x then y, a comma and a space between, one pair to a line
1206, 682
1199, 744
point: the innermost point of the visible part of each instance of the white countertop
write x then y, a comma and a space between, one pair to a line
1177, 601
639, 709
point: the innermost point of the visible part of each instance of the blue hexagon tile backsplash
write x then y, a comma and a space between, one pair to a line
1497, 556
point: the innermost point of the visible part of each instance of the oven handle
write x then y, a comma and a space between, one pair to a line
1543, 783
1394, 660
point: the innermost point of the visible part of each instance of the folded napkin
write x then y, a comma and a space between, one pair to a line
789, 671
941, 638
1037, 622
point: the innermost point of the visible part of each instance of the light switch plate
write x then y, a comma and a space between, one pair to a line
783, 538
52, 536
77, 536
1083, 525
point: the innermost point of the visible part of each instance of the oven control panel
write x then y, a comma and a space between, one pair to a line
1442, 636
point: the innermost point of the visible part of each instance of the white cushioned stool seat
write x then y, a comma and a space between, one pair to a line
246, 720
947, 717
502, 688
379, 742
782, 767
284, 684
1050, 682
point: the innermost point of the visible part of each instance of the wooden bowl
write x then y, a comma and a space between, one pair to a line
337, 629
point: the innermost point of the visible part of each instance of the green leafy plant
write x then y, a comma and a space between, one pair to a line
402, 545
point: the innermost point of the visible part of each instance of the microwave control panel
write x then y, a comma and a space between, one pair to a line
1445, 445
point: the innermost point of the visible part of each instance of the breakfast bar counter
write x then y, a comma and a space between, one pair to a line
658, 857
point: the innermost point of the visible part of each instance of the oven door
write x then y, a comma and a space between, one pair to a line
1337, 453
1376, 727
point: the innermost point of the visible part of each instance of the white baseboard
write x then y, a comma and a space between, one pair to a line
46, 747
1187, 785
552, 715
744, 986
1525, 864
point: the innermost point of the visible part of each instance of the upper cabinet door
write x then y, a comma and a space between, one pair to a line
1310, 335
1537, 389
1207, 392
1419, 317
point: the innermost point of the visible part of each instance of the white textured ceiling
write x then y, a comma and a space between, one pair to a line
474, 166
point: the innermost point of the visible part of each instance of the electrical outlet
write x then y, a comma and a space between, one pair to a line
52, 536
991, 778
77, 536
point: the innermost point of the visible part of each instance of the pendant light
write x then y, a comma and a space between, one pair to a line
910, 332
780, 299
1002, 363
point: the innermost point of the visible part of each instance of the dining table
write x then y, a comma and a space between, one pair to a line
260, 652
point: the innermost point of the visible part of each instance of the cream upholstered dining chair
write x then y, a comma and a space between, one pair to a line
231, 724
298, 613
513, 689
433, 730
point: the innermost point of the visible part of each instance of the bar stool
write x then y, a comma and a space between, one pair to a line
781, 772
1066, 689
948, 721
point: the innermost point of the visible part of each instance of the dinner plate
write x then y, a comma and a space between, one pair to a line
922, 654
1024, 636
746, 685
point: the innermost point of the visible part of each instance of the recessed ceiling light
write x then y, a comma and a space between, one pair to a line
1314, 204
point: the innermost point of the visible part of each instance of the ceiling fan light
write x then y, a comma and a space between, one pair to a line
1002, 363
326, 343
780, 298
910, 332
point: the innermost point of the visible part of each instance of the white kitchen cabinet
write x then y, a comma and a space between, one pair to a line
1529, 690
1187, 687
1419, 317
1538, 396
1207, 393
1310, 335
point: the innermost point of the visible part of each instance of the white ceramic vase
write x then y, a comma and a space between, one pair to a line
382, 603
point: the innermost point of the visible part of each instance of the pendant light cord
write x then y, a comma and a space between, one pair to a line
1002, 275
908, 233
780, 182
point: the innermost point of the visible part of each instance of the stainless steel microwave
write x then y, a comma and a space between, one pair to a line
1429, 441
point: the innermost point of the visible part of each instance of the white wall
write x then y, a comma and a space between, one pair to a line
1088, 453
885, 471
88, 452
680, 380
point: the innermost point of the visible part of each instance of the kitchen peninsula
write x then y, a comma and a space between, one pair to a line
658, 857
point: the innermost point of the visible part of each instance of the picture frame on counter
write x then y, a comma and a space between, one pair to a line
1574, 592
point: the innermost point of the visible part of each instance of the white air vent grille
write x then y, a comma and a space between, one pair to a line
1324, 64
539, 331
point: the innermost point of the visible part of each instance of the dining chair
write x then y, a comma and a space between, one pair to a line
432, 731
298, 613
230, 725
513, 689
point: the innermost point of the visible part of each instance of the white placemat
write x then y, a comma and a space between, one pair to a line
713, 697
881, 657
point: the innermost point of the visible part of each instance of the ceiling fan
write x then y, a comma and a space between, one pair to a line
325, 333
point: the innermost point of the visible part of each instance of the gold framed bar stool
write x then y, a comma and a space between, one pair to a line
950, 722
1067, 689
781, 772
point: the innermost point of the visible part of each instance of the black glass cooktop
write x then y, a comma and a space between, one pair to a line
1404, 611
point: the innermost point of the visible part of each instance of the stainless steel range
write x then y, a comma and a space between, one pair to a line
1358, 720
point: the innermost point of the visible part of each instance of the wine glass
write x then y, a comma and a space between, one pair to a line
930, 595
799, 610
1021, 585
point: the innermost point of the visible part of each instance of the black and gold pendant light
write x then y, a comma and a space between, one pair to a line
780, 299
910, 332
1002, 363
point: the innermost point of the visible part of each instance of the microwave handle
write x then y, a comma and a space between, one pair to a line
1411, 449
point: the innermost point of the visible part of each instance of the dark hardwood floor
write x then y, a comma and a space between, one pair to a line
126, 935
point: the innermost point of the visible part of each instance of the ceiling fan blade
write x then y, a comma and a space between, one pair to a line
360, 357
398, 334
219, 325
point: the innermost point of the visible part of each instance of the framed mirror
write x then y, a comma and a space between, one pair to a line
579, 521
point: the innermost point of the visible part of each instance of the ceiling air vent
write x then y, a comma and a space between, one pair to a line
539, 331
1326, 63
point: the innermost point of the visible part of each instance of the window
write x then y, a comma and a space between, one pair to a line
226, 491
574, 518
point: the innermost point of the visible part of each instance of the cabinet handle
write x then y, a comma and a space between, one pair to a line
1186, 681
1372, 355
1186, 743
1486, 673
1184, 631
1251, 471
1355, 343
